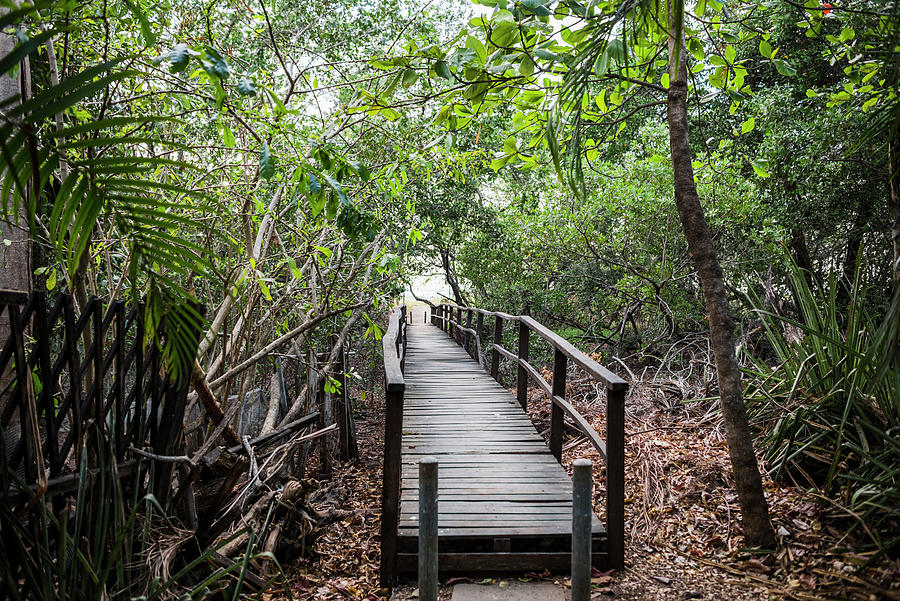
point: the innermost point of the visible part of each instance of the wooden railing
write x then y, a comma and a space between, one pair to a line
394, 345
450, 318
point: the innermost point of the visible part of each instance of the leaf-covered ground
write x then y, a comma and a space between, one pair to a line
682, 519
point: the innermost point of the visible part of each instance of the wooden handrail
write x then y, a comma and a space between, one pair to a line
394, 346
612, 449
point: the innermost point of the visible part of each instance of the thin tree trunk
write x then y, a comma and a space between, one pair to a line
754, 510
451, 277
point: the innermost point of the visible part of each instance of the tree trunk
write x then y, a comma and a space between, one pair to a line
754, 511
15, 257
451, 277
15, 250
894, 171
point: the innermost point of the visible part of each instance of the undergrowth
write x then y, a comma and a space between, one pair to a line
828, 405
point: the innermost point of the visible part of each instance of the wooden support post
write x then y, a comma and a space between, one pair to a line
522, 378
479, 337
468, 337
495, 354
428, 529
390, 495
582, 512
615, 476
556, 412
341, 409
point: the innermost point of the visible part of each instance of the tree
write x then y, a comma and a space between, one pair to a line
758, 531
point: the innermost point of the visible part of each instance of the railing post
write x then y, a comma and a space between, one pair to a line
390, 496
615, 476
468, 337
582, 512
522, 378
428, 529
495, 354
479, 337
556, 412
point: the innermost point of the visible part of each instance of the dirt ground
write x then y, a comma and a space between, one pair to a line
683, 540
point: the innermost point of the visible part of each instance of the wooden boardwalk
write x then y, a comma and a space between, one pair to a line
504, 502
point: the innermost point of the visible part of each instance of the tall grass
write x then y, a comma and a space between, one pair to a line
96, 545
827, 401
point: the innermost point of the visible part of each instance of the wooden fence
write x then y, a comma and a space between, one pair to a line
61, 375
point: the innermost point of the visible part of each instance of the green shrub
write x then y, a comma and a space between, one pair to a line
829, 409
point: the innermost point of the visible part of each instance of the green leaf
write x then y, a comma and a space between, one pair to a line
526, 67
602, 64
246, 87
265, 290
266, 162
227, 136
536, 7
51, 280
214, 64
730, 53
315, 186
443, 70
316, 204
475, 45
410, 76
759, 166
748, 125
389, 113
180, 55
331, 206
361, 170
765, 49
784, 68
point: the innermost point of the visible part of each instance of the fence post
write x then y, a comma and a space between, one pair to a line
390, 497
468, 337
615, 476
428, 529
556, 412
522, 378
582, 513
479, 337
495, 354
340, 407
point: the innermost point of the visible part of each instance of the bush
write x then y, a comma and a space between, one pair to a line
829, 410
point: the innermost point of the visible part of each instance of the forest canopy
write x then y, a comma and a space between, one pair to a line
675, 187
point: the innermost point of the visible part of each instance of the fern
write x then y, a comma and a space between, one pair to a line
105, 171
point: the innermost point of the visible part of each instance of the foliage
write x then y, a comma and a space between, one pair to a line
110, 546
829, 410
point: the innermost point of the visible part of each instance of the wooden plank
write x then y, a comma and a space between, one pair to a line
499, 562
